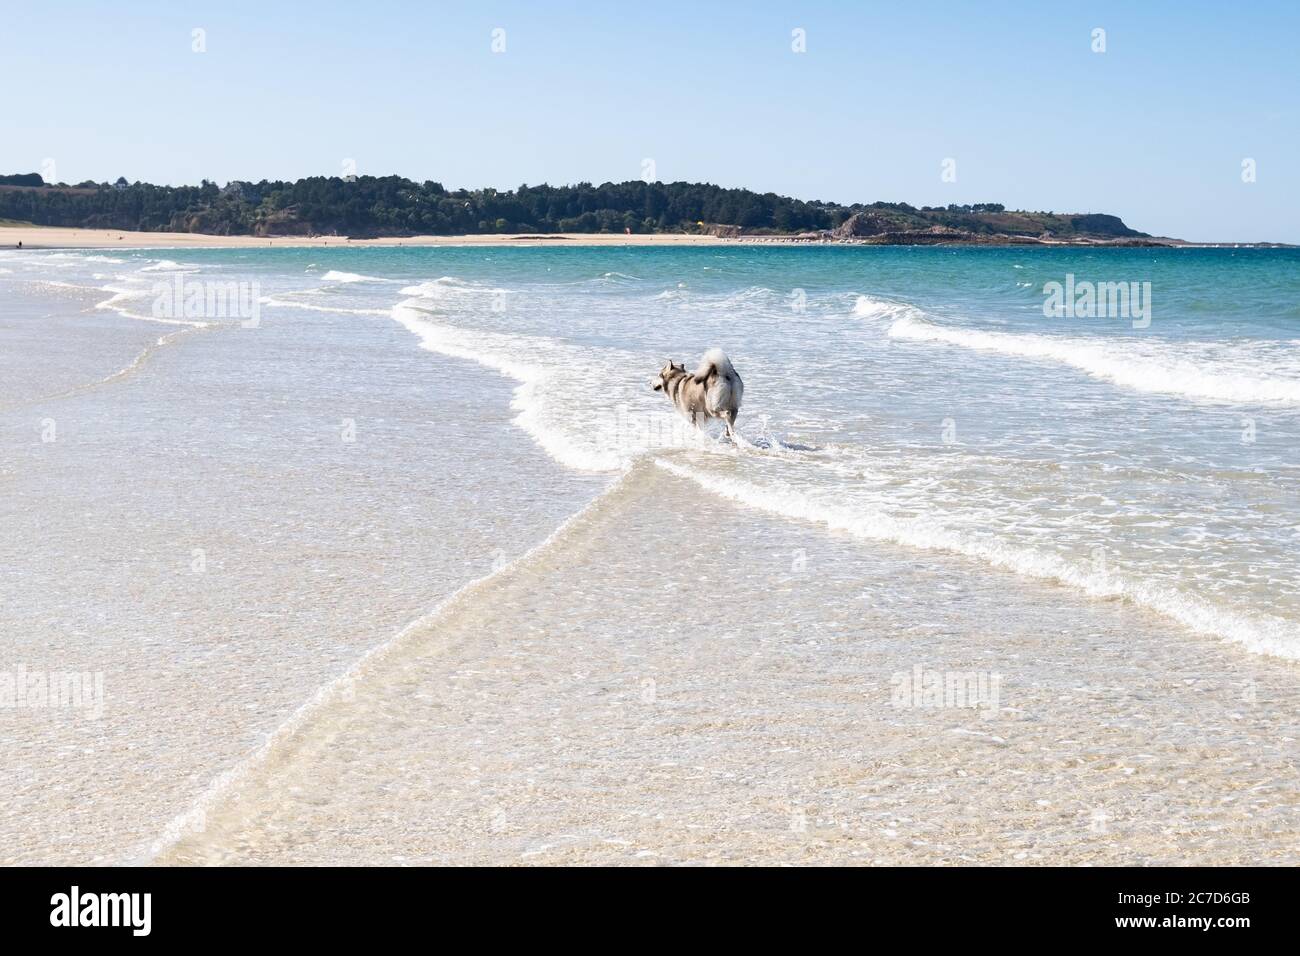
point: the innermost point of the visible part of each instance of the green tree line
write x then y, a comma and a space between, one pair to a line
368, 206
394, 206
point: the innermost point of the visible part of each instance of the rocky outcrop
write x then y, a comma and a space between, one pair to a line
891, 235
285, 222
860, 225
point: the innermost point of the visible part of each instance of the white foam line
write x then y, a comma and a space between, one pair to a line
167, 265
1260, 634
281, 303
335, 276
1168, 375
121, 373
192, 819
151, 318
449, 341
110, 304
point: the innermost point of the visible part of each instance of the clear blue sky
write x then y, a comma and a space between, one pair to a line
1154, 130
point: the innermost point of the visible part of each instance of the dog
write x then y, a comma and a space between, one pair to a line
714, 391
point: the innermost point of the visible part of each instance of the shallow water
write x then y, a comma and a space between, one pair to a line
230, 516
736, 704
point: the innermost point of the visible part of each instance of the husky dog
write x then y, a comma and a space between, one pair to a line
714, 391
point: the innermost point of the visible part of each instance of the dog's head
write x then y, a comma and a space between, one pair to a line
666, 375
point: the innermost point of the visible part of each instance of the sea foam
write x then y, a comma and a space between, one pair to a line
1261, 633
1252, 374
335, 275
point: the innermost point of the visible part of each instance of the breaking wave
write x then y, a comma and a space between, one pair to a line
1257, 373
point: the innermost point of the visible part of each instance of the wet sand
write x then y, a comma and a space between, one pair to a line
581, 708
197, 530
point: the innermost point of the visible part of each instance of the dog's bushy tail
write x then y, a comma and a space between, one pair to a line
715, 362
723, 389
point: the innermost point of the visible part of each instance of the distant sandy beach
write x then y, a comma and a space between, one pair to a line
54, 237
